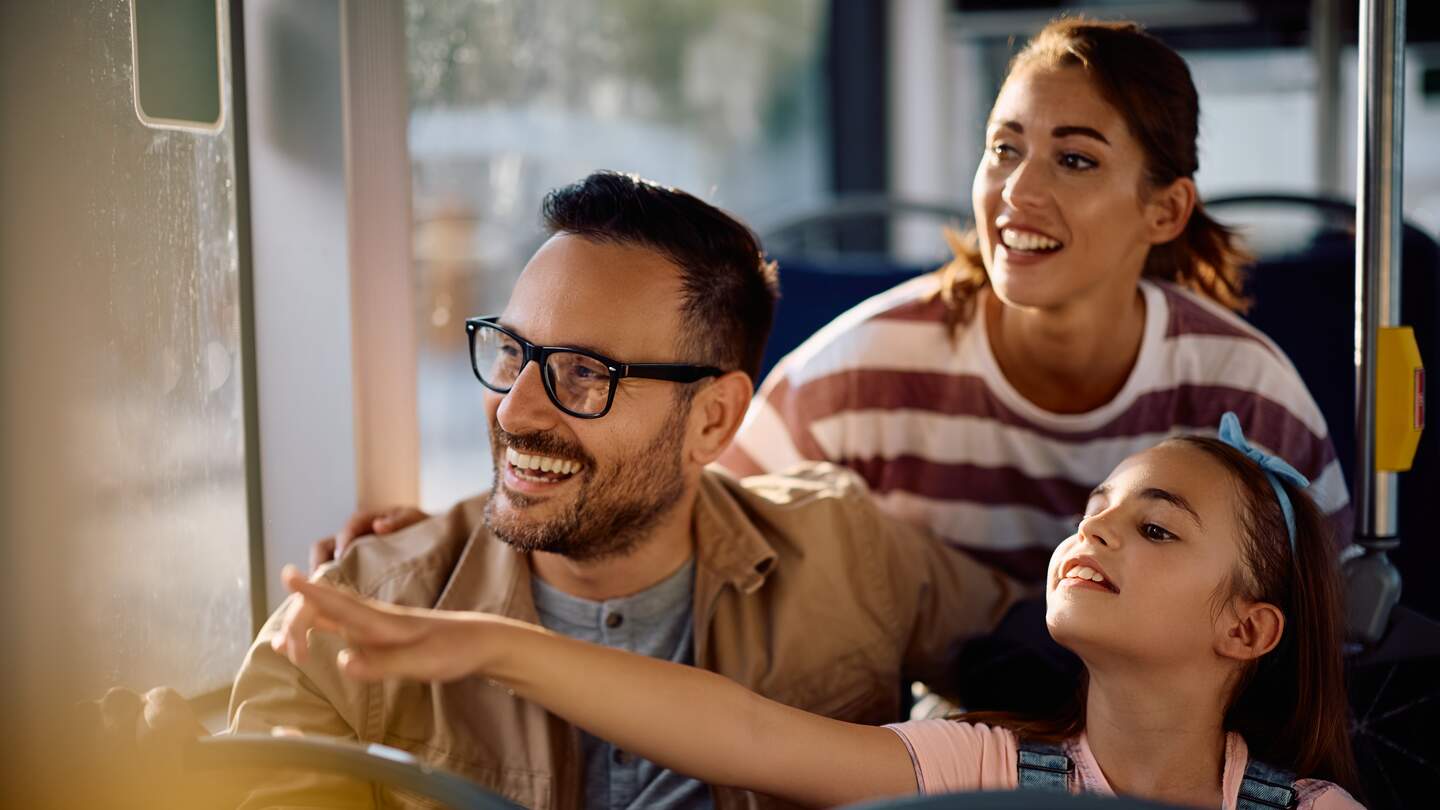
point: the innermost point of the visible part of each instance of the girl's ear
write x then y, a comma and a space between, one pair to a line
1168, 210
1248, 630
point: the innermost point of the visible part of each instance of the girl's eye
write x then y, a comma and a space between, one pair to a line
1076, 161
1156, 533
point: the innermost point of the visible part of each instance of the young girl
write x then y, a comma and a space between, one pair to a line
1200, 590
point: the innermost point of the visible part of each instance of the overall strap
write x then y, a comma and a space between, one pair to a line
1266, 788
1043, 766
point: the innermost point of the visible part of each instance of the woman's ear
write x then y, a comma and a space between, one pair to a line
1168, 210
716, 413
1248, 630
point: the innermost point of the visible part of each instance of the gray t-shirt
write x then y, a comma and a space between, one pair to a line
655, 622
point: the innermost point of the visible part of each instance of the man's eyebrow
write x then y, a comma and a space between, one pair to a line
1088, 132
1171, 498
1100, 490
581, 346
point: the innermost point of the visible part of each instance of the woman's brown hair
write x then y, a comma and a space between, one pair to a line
1150, 85
1290, 704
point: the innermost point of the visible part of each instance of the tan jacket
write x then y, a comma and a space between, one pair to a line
804, 592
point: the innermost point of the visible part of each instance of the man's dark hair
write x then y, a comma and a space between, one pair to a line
729, 289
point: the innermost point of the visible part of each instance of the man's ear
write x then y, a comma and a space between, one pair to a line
716, 413
1168, 210
1248, 630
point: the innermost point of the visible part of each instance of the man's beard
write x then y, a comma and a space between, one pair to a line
614, 509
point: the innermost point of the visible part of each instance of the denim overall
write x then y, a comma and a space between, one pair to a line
1046, 767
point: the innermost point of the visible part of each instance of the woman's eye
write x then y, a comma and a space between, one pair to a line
1076, 161
1159, 534
1003, 151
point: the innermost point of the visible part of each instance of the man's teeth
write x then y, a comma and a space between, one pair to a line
1025, 240
526, 461
1084, 572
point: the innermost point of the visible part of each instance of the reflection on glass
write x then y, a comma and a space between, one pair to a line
514, 97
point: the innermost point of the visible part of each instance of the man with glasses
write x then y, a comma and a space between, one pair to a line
620, 368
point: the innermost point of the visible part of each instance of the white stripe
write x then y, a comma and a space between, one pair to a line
856, 340
764, 437
1329, 489
917, 346
1243, 364
998, 528
946, 439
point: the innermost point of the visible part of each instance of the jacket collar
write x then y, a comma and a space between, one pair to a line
491, 577
727, 542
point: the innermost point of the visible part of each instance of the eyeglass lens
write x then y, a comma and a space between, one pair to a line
579, 383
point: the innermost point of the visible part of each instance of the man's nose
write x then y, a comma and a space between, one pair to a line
527, 408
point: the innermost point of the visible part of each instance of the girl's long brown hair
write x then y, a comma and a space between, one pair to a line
1151, 87
1290, 704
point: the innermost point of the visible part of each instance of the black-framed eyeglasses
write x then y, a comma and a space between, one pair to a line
580, 383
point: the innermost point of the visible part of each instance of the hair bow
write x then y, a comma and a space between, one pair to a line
1274, 467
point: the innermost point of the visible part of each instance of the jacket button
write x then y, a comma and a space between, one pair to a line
622, 757
614, 620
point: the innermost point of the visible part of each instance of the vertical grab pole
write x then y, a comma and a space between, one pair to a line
1372, 583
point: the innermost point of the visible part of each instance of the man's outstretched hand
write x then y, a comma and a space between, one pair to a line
363, 522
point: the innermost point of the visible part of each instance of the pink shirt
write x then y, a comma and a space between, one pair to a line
951, 756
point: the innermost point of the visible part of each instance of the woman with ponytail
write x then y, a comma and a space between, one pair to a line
1200, 590
1090, 312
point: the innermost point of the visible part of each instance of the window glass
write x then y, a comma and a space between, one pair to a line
121, 402
511, 98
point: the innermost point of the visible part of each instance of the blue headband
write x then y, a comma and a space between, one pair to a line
1274, 468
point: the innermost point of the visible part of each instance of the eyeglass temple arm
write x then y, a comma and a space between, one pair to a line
670, 372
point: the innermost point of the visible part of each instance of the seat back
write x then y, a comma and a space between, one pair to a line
813, 292
1303, 291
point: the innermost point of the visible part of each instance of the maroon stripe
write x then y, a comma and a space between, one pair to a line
1028, 565
1189, 317
797, 411
925, 307
1176, 409
985, 486
737, 462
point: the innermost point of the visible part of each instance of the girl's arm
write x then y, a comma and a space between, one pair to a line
686, 719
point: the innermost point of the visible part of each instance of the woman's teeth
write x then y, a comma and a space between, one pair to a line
1025, 240
526, 465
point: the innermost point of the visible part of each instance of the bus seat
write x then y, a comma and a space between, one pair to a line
814, 292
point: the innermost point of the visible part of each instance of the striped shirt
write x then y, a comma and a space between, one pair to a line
946, 442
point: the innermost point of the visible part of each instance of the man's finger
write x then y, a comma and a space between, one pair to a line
120, 710
168, 715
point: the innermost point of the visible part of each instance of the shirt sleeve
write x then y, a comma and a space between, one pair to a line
951, 756
270, 692
943, 597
